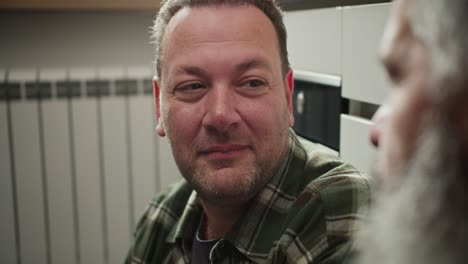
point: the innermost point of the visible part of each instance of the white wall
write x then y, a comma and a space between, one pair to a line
74, 39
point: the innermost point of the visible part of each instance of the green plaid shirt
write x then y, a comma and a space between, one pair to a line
307, 213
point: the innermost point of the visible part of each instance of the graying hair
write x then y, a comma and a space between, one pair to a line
424, 220
170, 7
442, 26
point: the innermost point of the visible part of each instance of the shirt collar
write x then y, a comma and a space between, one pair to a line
186, 227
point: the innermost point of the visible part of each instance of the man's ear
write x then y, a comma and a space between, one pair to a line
157, 104
289, 87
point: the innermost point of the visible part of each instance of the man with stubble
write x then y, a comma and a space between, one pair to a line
253, 192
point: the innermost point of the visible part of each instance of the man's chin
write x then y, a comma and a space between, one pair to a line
227, 185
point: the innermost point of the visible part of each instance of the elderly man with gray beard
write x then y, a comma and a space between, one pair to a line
421, 210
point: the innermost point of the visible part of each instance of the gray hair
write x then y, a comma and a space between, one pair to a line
170, 7
442, 27
424, 219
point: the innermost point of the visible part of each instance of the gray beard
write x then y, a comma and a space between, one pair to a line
425, 219
244, 192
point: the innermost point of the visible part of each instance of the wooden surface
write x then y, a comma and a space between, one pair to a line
150, 5
289, 5
79, 5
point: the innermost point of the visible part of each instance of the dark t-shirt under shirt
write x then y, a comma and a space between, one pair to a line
201, 248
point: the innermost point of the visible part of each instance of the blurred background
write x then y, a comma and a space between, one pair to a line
79, 156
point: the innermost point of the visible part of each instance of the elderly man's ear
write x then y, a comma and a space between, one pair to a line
159, 121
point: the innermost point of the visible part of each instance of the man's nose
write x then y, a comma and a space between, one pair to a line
379, 120
221, 110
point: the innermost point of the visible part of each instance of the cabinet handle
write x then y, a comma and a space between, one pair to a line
300, 102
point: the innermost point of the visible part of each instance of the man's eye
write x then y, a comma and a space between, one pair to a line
255, 83
189, 87
189, 91
253, 87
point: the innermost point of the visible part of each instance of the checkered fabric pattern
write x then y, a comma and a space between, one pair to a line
307, 213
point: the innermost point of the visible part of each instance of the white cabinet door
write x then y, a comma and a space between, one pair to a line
363, 76
314, 40
355, 146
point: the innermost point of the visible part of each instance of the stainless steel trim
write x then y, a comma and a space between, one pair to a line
320, 78
300, 102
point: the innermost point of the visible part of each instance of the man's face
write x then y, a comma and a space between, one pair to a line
222, 100
399, 122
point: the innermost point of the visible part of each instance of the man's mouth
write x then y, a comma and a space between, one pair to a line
220, 152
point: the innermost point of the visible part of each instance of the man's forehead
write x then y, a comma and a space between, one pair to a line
218, 26
182, 14
221, 16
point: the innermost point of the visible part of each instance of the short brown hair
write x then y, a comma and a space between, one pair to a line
170, 7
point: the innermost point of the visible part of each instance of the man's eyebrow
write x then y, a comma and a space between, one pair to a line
192, 70
251, 63
239, 68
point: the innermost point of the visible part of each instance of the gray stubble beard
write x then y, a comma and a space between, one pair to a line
424, 220
245, 191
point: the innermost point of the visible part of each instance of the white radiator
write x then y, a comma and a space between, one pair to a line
79, 161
